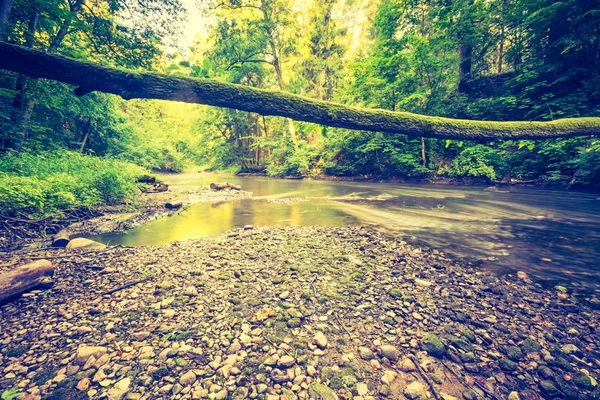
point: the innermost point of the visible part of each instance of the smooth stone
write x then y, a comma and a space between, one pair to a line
191, 291
119, 389
362, 389
286, 361
390, 352
389, 376
188, 378
415, 391
406, 365
85, 352
320, 340
78, 243
422, 283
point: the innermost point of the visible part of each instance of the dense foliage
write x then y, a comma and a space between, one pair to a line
42, 184
499, 60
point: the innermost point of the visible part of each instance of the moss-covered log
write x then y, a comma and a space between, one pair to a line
89, 77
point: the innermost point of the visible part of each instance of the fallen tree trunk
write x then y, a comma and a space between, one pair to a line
61, 239
130, 84
22, 279
225, 185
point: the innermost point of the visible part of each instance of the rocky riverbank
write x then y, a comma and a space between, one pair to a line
105, 219
151, 206
287, 313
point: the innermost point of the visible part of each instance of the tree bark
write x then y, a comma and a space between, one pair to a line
22, 279
130, 84
61, 239
465, 56
5, 7
22, 107
88, 130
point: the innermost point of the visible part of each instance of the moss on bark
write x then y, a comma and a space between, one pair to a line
89, 77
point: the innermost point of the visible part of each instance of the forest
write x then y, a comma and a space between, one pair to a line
484, 60
299, 199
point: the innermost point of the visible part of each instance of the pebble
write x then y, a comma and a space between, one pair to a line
389, 376
286, 361
85, 352
320, 340
390, 352
188, 378
170, 344
415, 391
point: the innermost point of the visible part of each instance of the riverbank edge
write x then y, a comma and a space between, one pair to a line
441, 181
118, 218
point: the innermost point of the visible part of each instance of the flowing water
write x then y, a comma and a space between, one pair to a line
554, 236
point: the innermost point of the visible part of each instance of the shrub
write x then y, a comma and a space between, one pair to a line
476, 161
39, 185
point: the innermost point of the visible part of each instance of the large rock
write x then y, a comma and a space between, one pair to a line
322, 392
78, 243
85, 352
24, 278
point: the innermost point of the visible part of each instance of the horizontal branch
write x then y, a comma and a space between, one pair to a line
131, 84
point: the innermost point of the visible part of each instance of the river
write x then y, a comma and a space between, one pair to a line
554, 236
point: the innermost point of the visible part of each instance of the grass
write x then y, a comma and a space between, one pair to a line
43, 184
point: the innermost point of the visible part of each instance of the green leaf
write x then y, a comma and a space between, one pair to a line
448, 142
10, 394
172, 67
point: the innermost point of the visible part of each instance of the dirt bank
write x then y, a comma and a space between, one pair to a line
286, 313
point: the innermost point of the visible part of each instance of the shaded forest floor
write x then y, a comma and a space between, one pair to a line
286, 313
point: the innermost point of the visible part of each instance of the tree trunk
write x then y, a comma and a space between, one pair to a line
5, 7
130, 84
64, 29
465, 55
277, 65
88, 130
423, 157
22, 109
61, 239
22, 279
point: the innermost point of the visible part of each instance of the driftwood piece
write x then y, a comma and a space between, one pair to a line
61, 239
156, 188
24, 278
130, 84
173, 206
224, 185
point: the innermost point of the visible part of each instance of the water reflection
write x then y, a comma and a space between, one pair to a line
554, 236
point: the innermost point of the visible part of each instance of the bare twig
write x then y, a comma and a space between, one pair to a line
127, 285
342, 325
424, 376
